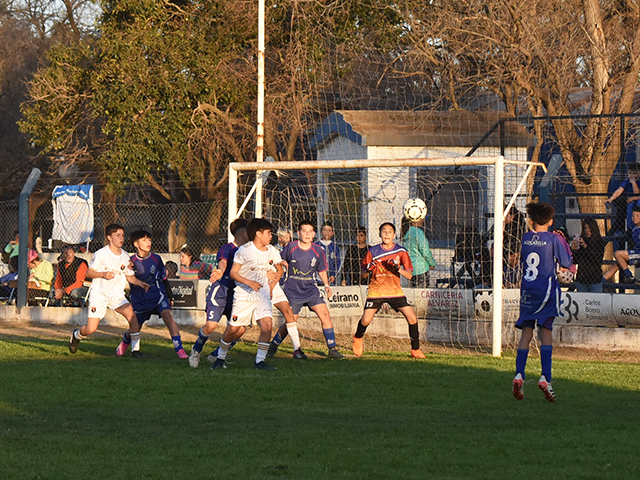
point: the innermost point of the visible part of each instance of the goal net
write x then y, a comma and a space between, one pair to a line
466, 199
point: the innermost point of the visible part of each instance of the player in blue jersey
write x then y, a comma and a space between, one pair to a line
331, 252
149, 268
304, 261
220, 295
541, 254
626, 257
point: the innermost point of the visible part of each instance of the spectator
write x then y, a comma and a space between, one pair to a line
40, 277
588, 253
626, 257
191, 268
623, 213
515, 226
11, 249
331, 251
352, 266
417, 245
12, 276
284, 237
512, 274
172, 269
71, 275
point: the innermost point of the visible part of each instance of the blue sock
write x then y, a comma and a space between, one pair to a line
330, 337
546, 351
126, 338
521, 361
277, 339
627, 273
177, 342
200, 341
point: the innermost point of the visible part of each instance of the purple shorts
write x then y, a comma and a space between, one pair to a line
546, 323
311, 300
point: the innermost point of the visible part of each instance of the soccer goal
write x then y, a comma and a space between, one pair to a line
467, 200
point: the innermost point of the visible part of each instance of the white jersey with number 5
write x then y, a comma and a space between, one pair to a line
540, 290
104, 260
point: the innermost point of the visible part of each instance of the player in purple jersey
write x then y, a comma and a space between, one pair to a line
220, 295
304, 261
541, 253
626, 257
149, 268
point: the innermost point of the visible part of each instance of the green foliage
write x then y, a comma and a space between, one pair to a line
93, 415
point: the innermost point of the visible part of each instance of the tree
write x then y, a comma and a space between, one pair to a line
533, 56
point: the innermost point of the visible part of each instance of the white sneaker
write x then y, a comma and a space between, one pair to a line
213, 356
545, 386
194, 359
518, 387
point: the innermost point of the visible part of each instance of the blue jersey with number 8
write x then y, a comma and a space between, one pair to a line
540, 290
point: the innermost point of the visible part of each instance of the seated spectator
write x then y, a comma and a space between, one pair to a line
626, 257
172, 269
11, 249
40, 277
564, 236
515, 226
588, 252
630, 188
352, 266
512, 271
191, 268
71, 275
12, 276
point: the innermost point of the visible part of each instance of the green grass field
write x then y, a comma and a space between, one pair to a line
382, 416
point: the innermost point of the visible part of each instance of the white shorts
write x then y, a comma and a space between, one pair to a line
278, 295
98, 306
250, 307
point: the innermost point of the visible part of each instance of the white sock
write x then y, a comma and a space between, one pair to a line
135, 342
263, 348
292, 330
78, 335
223, 349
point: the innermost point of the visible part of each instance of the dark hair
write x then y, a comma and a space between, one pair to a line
540, 213
189, 252
327, 224
636, 209
361, 229
385, 224
112, 228
171, 264
138, 234
256, 225
593, 227
633, 167
306, 222
237, 225
13, 264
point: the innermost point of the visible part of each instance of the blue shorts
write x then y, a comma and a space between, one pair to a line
219, 302
544, 323
634, 256
311, 300
145, 313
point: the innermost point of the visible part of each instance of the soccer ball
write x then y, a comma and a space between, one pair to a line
565, 276
414, 210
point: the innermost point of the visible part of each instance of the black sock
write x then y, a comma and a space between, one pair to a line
415, 336
360, 330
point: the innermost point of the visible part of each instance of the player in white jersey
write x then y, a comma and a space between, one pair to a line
110, 271
256, 271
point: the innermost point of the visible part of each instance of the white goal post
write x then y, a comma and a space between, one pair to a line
498, 208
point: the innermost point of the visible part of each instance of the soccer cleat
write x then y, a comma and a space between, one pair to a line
358, 346
122, 348
194, 358
335, 354
417, 353
263, 366
73, 343
299, 355
213, 356
137, 354
219, 363
182, 354
273, 348
518, 387
546, 389
627, 280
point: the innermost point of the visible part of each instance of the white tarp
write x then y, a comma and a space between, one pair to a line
73, 213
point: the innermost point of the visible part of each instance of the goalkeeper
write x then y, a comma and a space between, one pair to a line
386, 263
